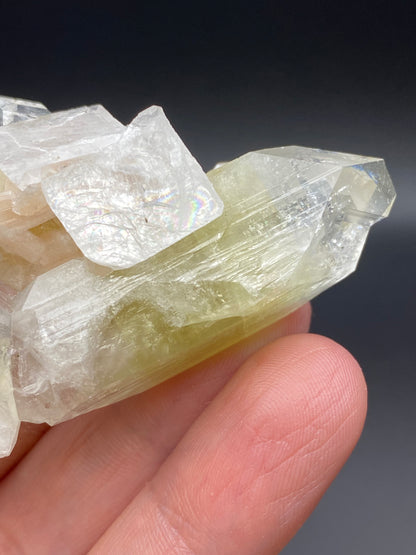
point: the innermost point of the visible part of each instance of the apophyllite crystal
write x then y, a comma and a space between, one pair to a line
13, 110
122, 263
121, 208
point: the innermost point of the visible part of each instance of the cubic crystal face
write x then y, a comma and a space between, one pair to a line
136, 198
13, 110
183, 264
32, 240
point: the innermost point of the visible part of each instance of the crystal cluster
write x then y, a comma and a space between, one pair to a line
122, 263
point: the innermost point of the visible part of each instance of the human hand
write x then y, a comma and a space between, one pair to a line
230, 457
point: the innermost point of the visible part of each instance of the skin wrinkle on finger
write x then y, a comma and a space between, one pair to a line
174, 534
318, 438
113, 452
304, 439
305, 453
312, 488
314, 398
257, 405
261, 360
225, 472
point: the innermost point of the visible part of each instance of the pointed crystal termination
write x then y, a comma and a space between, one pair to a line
294, 223
13, 110
136, 197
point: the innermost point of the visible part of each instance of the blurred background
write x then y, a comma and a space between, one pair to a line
240, 76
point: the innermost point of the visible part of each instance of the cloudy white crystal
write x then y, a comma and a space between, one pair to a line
136, 197
13, 110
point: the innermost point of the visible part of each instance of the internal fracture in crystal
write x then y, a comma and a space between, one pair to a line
141, 266
31, 237
136, 197
30, 148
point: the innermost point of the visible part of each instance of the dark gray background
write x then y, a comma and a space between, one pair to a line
239, 76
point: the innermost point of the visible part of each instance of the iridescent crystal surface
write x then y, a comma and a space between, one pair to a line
136, 197
171, 281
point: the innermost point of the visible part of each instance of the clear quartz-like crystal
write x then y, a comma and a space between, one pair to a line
136, 197
294, 223
29, 148
32, 240
13, 110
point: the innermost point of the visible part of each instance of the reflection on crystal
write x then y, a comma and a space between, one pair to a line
172, 266
136, 198
294, 223
13, 110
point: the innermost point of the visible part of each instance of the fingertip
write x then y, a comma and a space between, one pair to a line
269, 443
320, 377
335, 368
306, 395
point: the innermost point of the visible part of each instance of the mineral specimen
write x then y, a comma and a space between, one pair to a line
173, 266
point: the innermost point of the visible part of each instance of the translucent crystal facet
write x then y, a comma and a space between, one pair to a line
122, 263
32, 239
136, 197
13, 110
29, 148
294, 223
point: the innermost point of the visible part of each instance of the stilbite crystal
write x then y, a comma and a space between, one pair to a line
184, 280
